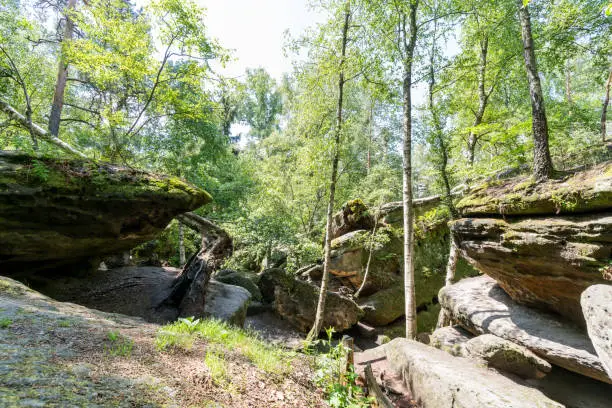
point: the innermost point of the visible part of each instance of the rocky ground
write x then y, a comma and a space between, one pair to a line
58, 354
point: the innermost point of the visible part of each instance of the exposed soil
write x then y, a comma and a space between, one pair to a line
59, 355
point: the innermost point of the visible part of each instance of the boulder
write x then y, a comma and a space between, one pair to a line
439, 380
450, 339
296, 301
582, 192
506, 356
481, 306
226, 302
383, 307
63, 213
349, 259
354, 215
244, 280
597, 307
541, 262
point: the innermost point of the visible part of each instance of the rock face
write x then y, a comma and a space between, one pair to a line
354, 215
349, 259
544, 262
383, 307
226, 302
597, 306
296, 301
583, 192
62, 213
506, 356
243, 280
450, 339
481, 306
440, 380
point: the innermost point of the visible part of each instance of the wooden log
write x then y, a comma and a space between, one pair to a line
374, 389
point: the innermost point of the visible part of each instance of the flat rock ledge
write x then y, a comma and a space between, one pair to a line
481, 306
597, 308
439, 380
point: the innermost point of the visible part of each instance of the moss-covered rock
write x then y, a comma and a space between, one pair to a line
587, 191
57, 212
296, 300
242, 279
354, 215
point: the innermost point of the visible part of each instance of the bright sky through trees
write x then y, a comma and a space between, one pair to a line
255, 31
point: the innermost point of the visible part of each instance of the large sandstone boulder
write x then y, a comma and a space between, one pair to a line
440, 380
597, 306
354, 215
450, 339
544, 262
481, 306
296, 301
226, 302
62, 213
583, 192
383, 307
349, 259
242, 279
506, 356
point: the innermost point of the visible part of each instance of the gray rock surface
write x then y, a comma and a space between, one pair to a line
540, 262
226, 302
596, 304
450, 339
440, 380
506, 356
481, 306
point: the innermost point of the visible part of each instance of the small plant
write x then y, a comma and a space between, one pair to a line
215, 362
40, 170
119, 345
64, 323
5, 322
339, 385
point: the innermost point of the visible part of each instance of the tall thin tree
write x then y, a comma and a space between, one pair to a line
318, 323
62, 73
542, 164
407, 31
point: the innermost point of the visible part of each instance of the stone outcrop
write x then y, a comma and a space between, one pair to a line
354, 215
57, 213
597, 307
296, 301
583, 192
226, 302
383, 307
505, 356
545, 243
481, 306
439, 380
450, 339
544, 262
244, 280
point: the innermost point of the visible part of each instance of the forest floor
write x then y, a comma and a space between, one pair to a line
58, 354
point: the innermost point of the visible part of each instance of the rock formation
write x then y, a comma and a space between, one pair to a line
62, 214
481, 306
440, 380
597, 306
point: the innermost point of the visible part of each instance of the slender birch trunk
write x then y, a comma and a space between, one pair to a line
483, 98
318, 323
604, 109
181, 243
408, 40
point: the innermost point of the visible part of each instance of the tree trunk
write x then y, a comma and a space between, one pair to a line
409, 42
604, 110
483, 98
318, 323
181, 243
62, 74
37, 130
451, 267
542, 164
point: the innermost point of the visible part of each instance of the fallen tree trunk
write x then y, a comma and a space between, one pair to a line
188, 290
37, 130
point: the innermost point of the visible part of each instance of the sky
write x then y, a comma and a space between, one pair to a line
254, 30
